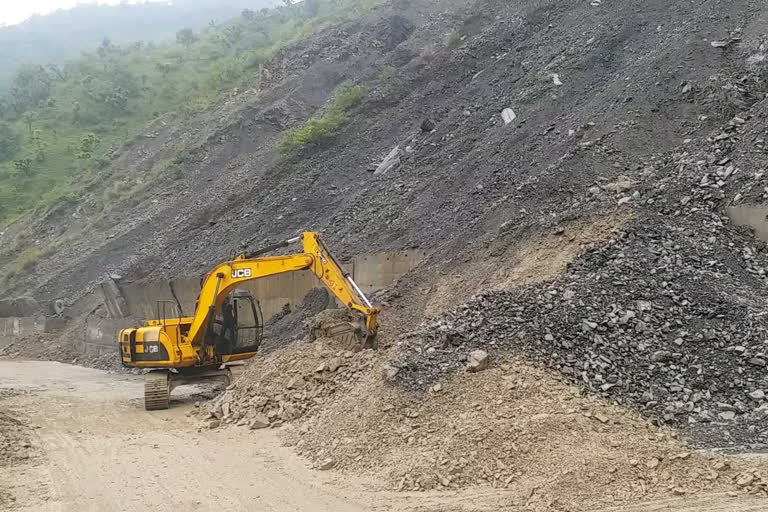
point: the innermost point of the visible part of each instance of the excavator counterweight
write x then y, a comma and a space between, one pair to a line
227, 325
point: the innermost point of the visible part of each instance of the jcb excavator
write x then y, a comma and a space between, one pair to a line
227, 324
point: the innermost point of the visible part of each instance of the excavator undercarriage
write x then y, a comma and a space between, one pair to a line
158, 384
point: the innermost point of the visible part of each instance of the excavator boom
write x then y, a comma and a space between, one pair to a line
315, 257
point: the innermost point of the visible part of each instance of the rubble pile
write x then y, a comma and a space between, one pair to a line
511, 426
288, 325
65, 346
667, 316
287, 384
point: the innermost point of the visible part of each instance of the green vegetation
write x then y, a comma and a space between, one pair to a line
58, 124
326, 127
64, 34
29, 260
9, 142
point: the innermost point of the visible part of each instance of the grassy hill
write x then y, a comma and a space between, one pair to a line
59, 124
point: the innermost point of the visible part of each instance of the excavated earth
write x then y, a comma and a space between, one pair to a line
579, 241
513, 427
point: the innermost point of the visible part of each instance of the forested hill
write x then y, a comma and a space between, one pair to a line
63, 34
60, 124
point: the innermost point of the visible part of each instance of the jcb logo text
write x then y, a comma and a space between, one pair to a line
240, 273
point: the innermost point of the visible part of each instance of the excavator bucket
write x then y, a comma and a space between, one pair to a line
350, 335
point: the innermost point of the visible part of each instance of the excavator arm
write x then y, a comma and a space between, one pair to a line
246, 267
341, 284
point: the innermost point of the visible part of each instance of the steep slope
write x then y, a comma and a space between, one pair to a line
60, 126
637, 81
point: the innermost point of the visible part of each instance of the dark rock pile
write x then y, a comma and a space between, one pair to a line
288, 325
668, 316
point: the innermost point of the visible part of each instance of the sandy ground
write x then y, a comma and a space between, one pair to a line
100, 451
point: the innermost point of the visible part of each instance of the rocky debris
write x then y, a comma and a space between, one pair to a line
259, 421
512, 427
326, 465
665, 316
390, 162
288, 326
390, 372
289, 383
316, 326
106, 361
669, 321
508, 115
477, 361
65, 346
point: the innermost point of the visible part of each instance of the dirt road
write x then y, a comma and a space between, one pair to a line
98, 450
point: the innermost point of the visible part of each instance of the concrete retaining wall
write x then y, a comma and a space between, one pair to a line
13, 328
755, 217
128, 304
100, 335
19, 307
371, 272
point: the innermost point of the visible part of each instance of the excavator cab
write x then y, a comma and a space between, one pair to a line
238, 326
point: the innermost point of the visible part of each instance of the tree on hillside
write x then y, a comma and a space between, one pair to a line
76, 112
106, 44
9, 142
87, 146
29, 117
106, 94
186, 36
58, 71
40, 144
23, 166
31, 87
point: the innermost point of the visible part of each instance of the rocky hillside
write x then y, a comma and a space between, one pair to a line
596, 92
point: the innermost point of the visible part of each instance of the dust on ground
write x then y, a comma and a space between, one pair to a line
19, 448
79, 413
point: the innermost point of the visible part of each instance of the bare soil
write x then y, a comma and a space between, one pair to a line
98, 450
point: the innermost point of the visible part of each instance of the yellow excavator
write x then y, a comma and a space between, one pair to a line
227, 325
